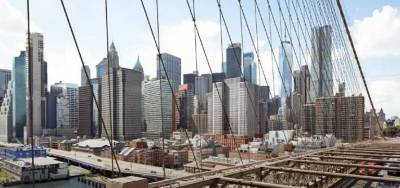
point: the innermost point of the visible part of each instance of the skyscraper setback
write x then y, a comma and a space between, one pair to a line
38, 84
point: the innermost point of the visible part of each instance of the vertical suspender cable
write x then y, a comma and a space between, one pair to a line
161, 98
90, 82
30, 76
110, 72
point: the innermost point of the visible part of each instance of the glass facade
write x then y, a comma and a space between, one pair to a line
19, 93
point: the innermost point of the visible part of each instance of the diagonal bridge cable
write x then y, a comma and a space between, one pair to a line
166, 75
90, 84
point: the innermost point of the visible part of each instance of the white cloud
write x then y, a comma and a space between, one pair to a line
377, 39
377, 35
179, 40
385, 94
12, 32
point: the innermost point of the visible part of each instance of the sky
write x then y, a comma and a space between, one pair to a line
374, 24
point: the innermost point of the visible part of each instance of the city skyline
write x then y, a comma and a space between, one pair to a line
60, 52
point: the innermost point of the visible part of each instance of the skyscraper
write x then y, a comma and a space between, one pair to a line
250, 68
84, 79
126, 97
202, 87
67, 111
233, 60
244, 118
215, 112
6, 130
158, 108
185, 103
5, 77
172, 68
138, 67
38, 79
96, 122
285, 64
85, 112
19, 96
321, 68
102, 67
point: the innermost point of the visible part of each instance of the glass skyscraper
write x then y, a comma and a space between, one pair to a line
285, 64
321, 68
172, 67
233, 60
250, 68
19, 94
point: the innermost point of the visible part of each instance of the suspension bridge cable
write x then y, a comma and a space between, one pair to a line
358, 62
222, 18
89, 81
161, 98
110, 72
167, 77
257, 53
30, 105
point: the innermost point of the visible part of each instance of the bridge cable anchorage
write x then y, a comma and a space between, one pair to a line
30, 105
358, 63
89, 81
167, 77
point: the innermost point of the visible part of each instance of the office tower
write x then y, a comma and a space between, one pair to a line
19, 96
215, 111
113, 55
307, 123
85, 112
102, 67
185, 103
305, 84
244, 118
264, 98
84, 79
325, 115
285, 65
126, 114
6, 129
199, 117
38, 79
350, 118
96, 121
172, 66
233, 60
202, 87
189, 78
138, 67
158, 108
250, 68
297, 81
52, 106
321, 68
67, 111
5, 77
